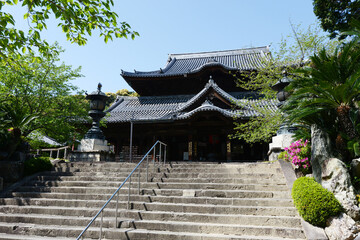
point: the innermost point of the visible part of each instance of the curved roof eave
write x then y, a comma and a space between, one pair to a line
210, 84
164, 74
206, 108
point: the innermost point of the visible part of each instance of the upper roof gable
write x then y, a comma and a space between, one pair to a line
189, 63
211, 89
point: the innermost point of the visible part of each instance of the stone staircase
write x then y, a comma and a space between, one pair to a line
180, 201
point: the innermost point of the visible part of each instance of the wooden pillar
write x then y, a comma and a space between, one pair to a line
228, 150
190, 148
195, 150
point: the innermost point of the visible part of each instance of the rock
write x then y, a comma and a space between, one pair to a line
342, 227
56, 161
355, 167
336, 179
320, 151
11, 172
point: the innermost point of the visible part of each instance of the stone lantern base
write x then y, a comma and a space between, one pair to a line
93, 145
278, 144
92, 150
91, 156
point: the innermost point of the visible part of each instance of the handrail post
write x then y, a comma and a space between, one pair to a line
147, 168
154, 158
58, 153
165, 156
128, 205
101, 223
160, 155
117, 207
139, 179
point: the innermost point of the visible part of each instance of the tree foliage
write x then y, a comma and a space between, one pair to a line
336, 16
291, 53
38, 96
78, 19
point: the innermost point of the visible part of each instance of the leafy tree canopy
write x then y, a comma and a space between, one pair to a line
38, 96
78, 19
292, 52
336, 16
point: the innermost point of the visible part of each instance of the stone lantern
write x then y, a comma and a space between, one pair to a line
93, 146
282, 95
284, 135
97, 106
279, 86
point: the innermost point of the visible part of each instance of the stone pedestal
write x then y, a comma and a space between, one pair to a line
93, 150
89, 145
278, 144
91, 156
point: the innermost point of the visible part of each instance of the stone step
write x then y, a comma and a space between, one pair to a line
165, 207
163, 192
167, 185
153, 178
170, 175
28, 198
113, 233
211, 228
4, 236
172, 164
109, 221
224, 170
174, 226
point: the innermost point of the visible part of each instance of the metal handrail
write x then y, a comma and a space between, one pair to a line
122, 184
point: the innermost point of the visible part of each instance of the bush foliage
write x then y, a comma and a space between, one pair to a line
314, 203
38, 164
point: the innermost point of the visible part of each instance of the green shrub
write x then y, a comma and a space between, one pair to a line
283, 156
314, 203
35, 165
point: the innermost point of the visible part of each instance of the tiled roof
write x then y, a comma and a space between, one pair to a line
179, 64
172, 108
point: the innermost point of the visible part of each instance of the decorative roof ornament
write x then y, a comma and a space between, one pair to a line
211, 80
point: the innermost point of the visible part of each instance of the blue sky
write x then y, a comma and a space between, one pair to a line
184, 26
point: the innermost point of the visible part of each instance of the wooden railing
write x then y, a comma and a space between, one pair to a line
53, 150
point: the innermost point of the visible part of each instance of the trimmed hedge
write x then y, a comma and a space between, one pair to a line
38, 164
314, 203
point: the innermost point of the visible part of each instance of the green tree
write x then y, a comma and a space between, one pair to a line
122, 92
78, 19
37, 96
292, 52
125, 92
336, 16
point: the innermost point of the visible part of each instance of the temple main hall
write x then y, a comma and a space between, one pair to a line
191, 105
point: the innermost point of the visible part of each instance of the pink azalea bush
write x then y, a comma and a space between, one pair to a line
299, 154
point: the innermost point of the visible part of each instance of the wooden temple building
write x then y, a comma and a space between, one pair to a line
190, 104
